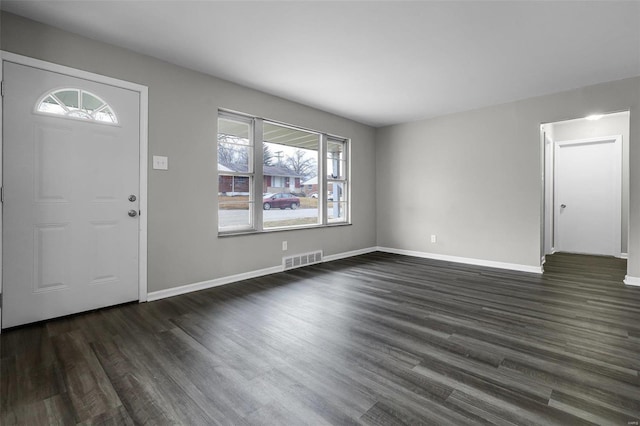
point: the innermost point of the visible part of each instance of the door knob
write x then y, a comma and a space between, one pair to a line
132, 198
132, 213
563, 205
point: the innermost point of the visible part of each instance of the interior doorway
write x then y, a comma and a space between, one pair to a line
586, 185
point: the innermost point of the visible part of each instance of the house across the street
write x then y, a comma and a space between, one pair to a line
276, 179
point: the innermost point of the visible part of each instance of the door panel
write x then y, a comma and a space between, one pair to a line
51, 148
51, 267
588, 182
68, 243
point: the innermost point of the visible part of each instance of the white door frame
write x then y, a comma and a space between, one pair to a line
617, 139
144, 144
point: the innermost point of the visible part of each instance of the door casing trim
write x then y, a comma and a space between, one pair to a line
143, 91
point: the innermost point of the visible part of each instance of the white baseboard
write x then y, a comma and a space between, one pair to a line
624, 255
632, 281
203, 285
466, 260
346, 254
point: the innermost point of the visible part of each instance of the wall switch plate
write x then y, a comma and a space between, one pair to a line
284, 246
160, 162
433, 239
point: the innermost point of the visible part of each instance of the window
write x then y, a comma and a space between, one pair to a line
273, 176
336, 180
236, 203
78, 104
290, 157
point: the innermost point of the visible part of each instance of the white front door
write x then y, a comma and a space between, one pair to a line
69, 243
588, 182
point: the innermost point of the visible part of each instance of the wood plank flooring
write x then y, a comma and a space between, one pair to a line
378, 339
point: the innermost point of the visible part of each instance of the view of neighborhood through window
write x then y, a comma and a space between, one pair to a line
290, 160
235, 173
287, 192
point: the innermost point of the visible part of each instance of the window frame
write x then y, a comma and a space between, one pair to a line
86, 116
343, 179
250, 172
256, 163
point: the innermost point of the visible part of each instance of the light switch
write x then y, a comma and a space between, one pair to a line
160, 163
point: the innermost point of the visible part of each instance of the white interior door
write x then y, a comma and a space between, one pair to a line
588, 186
69, 244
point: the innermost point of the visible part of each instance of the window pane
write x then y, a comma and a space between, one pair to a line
234, 146
336, 202
290, 160
90, 102
233, 158
235, 218
49, 105
233, 186
336, 164
106, 115
68, 97
233, 131
50, 100
78, 113
234, 202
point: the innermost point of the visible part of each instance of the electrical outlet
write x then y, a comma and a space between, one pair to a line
284, 246
433, 239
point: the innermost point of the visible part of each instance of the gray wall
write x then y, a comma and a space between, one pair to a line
614, 124
474, 178
184, 247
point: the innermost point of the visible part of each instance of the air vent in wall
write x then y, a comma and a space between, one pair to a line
299, 260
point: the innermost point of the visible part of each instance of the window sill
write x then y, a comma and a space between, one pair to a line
222, 234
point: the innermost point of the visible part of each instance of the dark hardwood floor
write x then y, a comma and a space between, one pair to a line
376, 339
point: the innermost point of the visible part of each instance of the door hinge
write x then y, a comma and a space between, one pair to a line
2, 88
1, 194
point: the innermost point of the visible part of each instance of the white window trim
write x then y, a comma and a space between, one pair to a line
344, 181
257, 214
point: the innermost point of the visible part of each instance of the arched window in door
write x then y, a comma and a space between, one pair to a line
77, 104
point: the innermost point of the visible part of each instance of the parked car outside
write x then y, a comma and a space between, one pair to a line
280, 200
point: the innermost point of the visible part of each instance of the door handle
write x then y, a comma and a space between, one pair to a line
562, 206
132, 213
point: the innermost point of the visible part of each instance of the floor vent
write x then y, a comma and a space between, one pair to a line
299, 260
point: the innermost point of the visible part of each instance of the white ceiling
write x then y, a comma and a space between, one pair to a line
377, 62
